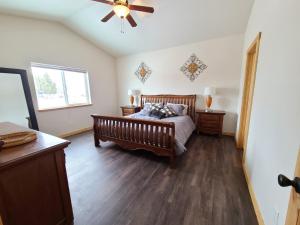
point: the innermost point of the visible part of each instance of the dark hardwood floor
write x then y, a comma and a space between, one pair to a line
110, 186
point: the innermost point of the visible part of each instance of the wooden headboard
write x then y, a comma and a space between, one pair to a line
189, 100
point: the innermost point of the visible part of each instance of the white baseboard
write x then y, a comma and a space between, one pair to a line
253, 197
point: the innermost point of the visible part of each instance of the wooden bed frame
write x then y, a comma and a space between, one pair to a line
155, 136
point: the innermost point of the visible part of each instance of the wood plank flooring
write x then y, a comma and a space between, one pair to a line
111, 186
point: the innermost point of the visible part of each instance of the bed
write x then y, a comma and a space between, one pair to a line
159, 136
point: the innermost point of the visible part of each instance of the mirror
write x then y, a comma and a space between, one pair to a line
13, 101
15, 98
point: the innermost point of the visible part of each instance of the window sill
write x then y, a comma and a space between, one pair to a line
64, 107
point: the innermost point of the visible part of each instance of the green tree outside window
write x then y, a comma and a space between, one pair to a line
46, 85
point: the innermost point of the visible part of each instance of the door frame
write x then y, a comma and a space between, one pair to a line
248, 90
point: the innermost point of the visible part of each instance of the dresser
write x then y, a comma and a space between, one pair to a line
33, 183
210, 122
128, 110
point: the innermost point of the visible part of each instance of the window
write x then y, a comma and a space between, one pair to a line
60, 87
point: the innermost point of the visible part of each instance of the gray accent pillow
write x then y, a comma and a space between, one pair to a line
180, 109
156, 111
147, 107
168, 111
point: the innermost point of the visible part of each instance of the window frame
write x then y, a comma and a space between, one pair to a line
63, 69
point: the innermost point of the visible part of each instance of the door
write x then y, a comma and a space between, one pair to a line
250, 74
293, 214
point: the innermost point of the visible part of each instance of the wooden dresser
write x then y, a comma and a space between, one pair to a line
210, 122
33, 183
127, 110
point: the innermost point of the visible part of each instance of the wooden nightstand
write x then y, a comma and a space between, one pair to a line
127, 110
210, 122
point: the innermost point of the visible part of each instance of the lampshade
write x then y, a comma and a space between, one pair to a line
134, 92
121, 10
210, 91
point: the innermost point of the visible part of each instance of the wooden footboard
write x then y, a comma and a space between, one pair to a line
155, 136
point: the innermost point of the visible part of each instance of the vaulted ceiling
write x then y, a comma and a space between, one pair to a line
174, 22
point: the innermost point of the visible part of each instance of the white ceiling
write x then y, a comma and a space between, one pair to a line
174, 22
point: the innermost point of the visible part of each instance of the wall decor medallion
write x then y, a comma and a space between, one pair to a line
143, 72
193, 67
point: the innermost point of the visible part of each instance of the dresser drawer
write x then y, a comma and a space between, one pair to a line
211, 118
128, 111
210, 122
206, 124
203, 122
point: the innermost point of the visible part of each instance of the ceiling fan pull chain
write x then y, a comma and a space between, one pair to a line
122, 26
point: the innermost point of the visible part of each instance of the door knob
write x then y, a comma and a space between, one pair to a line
283, 181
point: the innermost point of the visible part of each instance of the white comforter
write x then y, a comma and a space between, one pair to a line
184, 127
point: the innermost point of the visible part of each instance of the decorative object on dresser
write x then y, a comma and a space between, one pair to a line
13, 135
128, 110
143, 72
131, 97
210, 122
193, 67
208, 93
133, 94
34, 185
155, 136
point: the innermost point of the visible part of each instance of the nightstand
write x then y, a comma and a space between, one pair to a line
210, 122
127, 110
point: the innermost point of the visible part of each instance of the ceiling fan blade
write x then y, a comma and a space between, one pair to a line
141, 8
110, 15
131, 20
104, 1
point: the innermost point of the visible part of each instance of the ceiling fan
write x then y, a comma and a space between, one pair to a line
122, 8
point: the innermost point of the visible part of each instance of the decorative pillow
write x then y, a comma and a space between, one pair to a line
156, 111
147, 108
168, 111
147, 105
180, 109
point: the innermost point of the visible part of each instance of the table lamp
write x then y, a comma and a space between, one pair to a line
132, 94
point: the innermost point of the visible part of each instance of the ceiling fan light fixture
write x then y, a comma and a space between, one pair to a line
121, 10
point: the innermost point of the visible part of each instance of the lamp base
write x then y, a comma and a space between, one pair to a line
208, 101
209, 110
131, 99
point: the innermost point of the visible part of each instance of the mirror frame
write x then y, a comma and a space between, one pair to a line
27, 93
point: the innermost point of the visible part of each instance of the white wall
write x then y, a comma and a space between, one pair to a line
222, 56
274, 134
23, 41
12, 97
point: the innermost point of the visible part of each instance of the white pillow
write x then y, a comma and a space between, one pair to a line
176, 108
185, 111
